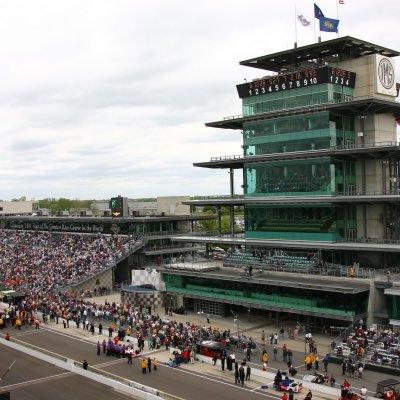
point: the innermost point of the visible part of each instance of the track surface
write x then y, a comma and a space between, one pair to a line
34, 379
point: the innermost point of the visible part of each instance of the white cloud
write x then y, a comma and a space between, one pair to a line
99, 98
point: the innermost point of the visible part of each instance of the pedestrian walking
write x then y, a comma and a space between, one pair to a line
149, 364
242, 375
360, 371
215, 358
308, 396
248, 373
155, 363
275, 352
325, 362
143, 364
192, 356
344, 367
237, 379
98, 345
284, 353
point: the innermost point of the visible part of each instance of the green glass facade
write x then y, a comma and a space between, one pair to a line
269, 295
393, 306
299, 222
306, 96
308, 177
298, 133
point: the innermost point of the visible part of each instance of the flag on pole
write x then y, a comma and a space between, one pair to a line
328, 24
303, 20
317, 12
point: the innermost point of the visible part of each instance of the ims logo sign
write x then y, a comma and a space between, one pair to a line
386, 73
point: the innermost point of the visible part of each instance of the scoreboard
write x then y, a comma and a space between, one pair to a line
295, 80
119, 206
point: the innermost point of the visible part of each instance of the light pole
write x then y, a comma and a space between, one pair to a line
236, 319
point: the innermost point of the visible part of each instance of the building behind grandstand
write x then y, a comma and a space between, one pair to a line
18, 207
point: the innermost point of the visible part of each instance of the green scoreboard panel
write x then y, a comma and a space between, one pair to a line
118, 206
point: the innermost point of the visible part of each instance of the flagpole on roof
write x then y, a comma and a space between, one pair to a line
295, 27
315, 35
337, 15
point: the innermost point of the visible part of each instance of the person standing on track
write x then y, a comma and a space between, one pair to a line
143, 364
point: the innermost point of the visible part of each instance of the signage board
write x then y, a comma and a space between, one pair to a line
295, 80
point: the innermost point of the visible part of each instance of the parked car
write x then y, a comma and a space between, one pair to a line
290, 385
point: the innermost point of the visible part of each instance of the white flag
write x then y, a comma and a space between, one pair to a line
303, 20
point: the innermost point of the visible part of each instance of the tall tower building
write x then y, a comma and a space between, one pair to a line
320, 168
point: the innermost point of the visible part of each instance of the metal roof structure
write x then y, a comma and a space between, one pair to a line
335, 50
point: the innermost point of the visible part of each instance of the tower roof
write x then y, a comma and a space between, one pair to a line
339, 49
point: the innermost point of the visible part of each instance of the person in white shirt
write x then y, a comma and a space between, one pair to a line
363, 392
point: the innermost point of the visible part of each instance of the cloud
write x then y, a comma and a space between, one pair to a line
98, 100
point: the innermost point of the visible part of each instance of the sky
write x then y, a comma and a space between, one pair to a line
103, 98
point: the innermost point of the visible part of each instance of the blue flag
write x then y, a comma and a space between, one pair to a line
317, 12
328, 24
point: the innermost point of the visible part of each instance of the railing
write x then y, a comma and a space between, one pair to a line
327, 269
352, 146
395, 192
343, 99
370, 241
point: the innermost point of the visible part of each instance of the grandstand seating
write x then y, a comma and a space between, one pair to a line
40, 262
292, 261
244, 259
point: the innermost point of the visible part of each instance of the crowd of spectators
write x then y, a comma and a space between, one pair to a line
42, 262
123, 321
379, 345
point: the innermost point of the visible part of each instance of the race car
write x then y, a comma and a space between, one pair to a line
315, 378
290, 385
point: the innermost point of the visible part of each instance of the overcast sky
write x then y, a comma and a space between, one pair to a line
101, 98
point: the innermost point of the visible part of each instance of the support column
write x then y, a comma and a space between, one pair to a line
344, 169
219, 221
232, 208
365, 221
384, 176
362, 123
